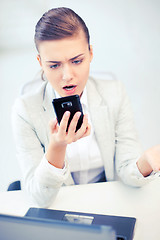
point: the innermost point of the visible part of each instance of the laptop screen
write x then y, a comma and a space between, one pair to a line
18, 228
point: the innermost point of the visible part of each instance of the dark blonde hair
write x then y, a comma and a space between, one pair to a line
59, 23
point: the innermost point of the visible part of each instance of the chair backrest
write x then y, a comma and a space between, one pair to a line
14, 186
38, 81
109, 76
34, 84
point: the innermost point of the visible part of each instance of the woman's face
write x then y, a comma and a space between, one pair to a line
66, 63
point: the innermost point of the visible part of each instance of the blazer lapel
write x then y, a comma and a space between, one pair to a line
47, 108
100, 120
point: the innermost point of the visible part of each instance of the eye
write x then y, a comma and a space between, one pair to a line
54, 66
77, 61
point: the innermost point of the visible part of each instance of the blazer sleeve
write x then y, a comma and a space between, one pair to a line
128, 148
40, 181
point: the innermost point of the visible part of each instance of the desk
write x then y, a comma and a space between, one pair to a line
112, 198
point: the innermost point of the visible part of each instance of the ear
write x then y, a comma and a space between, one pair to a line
39, 60
91, 53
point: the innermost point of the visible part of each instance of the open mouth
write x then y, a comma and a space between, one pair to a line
69, 88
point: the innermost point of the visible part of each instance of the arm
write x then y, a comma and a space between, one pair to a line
40, 180
40, 183
129, 163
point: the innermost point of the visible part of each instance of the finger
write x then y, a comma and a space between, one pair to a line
153, 158
84, 130
64, 123
155, 164
88, 131
53, 125
73, 124
84, 124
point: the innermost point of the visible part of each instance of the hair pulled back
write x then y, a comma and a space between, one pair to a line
59, 23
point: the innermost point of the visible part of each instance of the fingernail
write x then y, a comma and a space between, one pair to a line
78, 114
67, 113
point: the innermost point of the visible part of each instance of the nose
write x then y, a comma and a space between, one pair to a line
67, 74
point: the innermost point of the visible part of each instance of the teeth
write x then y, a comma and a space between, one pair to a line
69, 87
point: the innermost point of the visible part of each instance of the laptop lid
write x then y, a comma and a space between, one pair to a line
26, 228
124, 226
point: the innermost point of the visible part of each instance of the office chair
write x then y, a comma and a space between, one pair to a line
14, 186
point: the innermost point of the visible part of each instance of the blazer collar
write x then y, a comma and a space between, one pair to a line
48, 96
100, 120
93, 96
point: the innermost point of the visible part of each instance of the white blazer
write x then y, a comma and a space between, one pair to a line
112, 118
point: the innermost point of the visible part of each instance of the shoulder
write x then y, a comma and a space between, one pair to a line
33, 91
107, 89
30, 101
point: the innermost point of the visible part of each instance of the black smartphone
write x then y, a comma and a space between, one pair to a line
71, 104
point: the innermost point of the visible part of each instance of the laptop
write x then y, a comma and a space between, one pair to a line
26, 228
123, 226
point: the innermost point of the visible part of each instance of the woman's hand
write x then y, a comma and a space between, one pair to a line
59, 138
149, 161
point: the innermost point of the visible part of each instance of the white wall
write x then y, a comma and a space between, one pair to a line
125, 37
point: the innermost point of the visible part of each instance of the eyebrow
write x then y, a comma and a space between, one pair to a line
69, 59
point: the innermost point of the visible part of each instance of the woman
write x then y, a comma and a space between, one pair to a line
106, 145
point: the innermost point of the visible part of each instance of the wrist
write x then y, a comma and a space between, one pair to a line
55, 155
